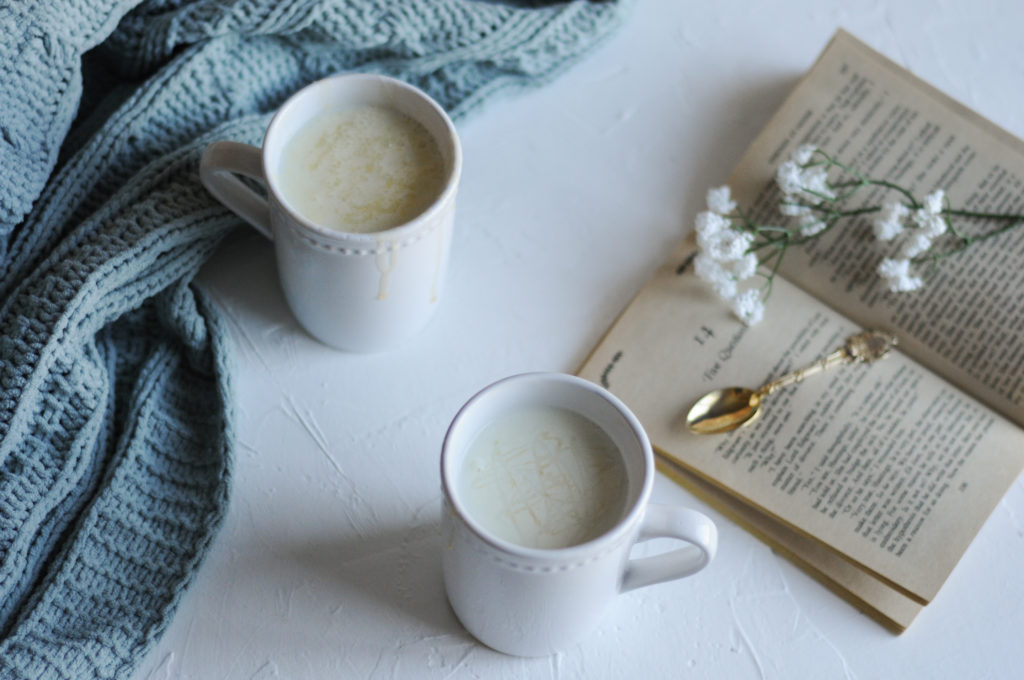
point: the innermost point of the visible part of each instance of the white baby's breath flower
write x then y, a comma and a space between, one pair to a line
793, 209
898, 278
709, 226
724, 262
796, 182
929, 218
934, 201
745, 267
893, 268
725, 236
725, 288
933, 224
815, 181
731, 245
789, 177
889, 224
706, 267
804, 153
811, 225
720, 201
749, 306
918, 243
711, 270
906, 284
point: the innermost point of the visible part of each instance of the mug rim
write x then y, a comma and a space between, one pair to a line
574, 553
365, 239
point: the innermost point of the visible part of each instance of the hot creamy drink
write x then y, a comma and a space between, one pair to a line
543, 477
361, 169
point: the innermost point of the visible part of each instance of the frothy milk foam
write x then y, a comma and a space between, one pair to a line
362, 169
543, 477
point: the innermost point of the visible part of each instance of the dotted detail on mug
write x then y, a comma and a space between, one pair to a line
489, 551
547, 569
384, 245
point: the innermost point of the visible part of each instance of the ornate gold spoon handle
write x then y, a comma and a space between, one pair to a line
726, 409
866, 347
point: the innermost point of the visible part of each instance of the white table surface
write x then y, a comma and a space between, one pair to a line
328, 563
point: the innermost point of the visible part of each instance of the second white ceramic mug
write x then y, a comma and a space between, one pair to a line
353, 291
533, 602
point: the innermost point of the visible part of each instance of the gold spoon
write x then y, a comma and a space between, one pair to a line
726, 409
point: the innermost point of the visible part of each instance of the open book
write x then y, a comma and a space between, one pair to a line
874, 477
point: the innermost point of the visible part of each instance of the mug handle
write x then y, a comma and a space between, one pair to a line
221, 160
671, 521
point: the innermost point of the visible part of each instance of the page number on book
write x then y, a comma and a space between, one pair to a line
702, 335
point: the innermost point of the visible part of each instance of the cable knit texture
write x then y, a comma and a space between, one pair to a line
115, 401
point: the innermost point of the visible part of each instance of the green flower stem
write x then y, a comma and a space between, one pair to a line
967, 241
973, 214
775, 241
830, 212
769, 228
914, 205
982, 215
856, 184
748, 223
859, 211
778, 254
864, 180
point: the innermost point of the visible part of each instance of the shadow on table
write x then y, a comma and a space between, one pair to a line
727, 127
394, 573
242, 276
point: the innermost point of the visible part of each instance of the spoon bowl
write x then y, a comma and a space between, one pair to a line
724, 410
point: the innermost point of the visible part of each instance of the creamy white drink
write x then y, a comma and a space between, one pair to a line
543, 477
361, 169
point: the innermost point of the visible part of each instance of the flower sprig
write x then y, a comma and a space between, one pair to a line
816, 191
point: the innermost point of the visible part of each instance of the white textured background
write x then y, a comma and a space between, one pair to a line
328, 563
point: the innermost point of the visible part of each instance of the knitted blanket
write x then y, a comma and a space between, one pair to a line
115, 396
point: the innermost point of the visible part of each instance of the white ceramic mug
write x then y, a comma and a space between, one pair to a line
353, 291
533, 602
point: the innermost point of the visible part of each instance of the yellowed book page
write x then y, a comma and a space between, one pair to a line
875, 598
967, 322
887, 463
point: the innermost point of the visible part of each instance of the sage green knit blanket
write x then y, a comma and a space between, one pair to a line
116, 425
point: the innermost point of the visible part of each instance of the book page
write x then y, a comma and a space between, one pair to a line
887, 464
863, 590
967, 322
